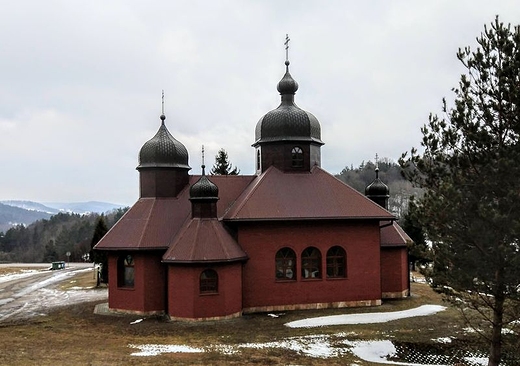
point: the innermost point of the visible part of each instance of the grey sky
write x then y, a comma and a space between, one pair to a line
81, 81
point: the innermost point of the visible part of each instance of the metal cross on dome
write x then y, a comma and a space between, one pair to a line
286, 43
162, 109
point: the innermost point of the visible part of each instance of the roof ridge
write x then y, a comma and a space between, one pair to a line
354, 190
145, 229
247, 193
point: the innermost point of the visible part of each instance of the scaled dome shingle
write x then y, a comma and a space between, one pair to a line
163, 151
203, 189
288, 121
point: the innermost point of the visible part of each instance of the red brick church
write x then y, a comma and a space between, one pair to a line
292, 236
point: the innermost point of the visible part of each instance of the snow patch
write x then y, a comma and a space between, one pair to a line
17, 275
366, 318
157, 349
442, 340
477, 360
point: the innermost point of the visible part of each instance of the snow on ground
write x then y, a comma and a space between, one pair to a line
322, 345
366, 318
17, 275
316, 346
157, 349
42, 294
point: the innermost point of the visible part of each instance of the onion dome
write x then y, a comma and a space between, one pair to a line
377, 190
288, 122
203, 189
163, 151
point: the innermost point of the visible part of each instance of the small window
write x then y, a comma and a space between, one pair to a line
311, 263
297, 157
209, 282
285, 264
336, 263
125, 268
258, 159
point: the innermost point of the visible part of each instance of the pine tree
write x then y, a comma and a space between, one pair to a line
222, 165
98, 256
470, 170
418, 251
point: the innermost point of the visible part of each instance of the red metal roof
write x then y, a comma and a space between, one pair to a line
155, 223
151, 223
394, 236
276, 195
203, 240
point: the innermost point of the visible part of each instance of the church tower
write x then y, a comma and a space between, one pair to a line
288, 137
377, 191
204, 197
163, 165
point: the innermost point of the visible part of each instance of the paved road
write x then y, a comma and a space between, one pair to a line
35, 292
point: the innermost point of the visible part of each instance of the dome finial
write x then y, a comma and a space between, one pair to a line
163, 117
203, 165
377, 166
286, 43
287, 86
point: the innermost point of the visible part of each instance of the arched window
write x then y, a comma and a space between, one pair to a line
336, 263
285, 264
297, 157
125, 271
311, 263
258, 160
208, 282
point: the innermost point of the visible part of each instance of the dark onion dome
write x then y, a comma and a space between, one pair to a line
163, 151
377, 188
288, 122
203, 189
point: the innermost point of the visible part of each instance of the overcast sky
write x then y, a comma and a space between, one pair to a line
81, 81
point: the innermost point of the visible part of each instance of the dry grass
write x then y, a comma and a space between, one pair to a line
74, 335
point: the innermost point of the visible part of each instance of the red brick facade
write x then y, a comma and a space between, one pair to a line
185, 300
148, 294
262, 291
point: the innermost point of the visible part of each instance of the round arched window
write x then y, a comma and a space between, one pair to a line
311, 263
285, 264
208, 282
336, 262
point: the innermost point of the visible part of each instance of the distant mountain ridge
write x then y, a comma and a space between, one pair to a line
30, 206
83, 207
11, 216
15, 212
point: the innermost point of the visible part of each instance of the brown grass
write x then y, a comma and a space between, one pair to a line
73, 335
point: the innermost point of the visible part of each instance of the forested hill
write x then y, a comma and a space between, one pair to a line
10, 215
390, 173
50, 239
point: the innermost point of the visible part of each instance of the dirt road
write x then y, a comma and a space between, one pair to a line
35, 291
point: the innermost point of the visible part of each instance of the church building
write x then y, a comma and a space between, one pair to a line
291, 236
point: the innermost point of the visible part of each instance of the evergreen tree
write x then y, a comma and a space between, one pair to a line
98, 256
222, 165
469, 168
418, 252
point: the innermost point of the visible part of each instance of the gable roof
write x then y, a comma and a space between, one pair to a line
394, 236
203, 241
275, 195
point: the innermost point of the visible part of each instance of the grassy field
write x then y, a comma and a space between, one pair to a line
74, 335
